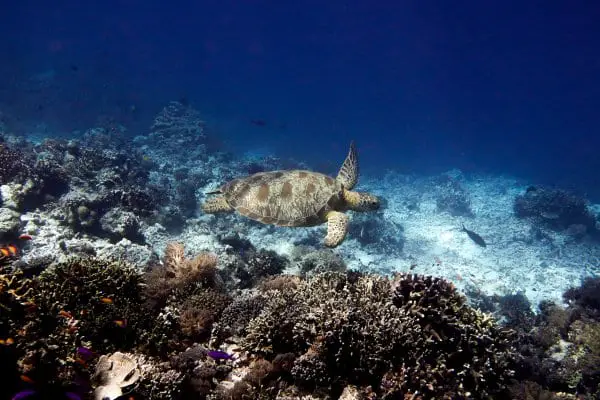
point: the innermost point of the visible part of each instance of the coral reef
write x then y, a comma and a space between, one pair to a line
88, 287
561, 351
452, 197
328, 335
390, 335
555, 209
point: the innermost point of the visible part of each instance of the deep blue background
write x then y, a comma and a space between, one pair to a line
423, 86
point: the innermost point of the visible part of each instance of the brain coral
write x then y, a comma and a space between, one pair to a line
408, 336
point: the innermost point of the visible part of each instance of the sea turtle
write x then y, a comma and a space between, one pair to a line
297, 198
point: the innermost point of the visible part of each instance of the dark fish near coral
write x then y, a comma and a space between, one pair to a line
474, 237
219, 355
258, 122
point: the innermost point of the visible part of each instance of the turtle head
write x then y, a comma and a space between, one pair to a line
360, 201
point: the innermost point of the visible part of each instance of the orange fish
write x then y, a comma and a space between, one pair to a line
27, 379
121, 323
106, 300
4, 251
65, 314
10, 341
13, 249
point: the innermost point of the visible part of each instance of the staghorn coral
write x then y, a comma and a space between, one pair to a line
411, 335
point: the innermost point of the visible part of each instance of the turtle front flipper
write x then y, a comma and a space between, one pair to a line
217, 204
337, 227
348, 175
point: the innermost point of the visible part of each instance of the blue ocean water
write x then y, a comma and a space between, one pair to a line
499, 87
476, 124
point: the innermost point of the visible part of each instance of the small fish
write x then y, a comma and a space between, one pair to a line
12, 249
219, 355
23, 394
474, 237
27, 379
65, 314
85, 353
258, 122
106, 300
4, 252
121, 323
25, 236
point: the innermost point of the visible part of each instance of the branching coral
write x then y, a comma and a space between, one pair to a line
413, 335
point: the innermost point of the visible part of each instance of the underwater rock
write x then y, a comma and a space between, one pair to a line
9, 223
118, 224
319, 261
452, 197
554, 208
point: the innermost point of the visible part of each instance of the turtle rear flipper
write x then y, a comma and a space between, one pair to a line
337, 227
348, 175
